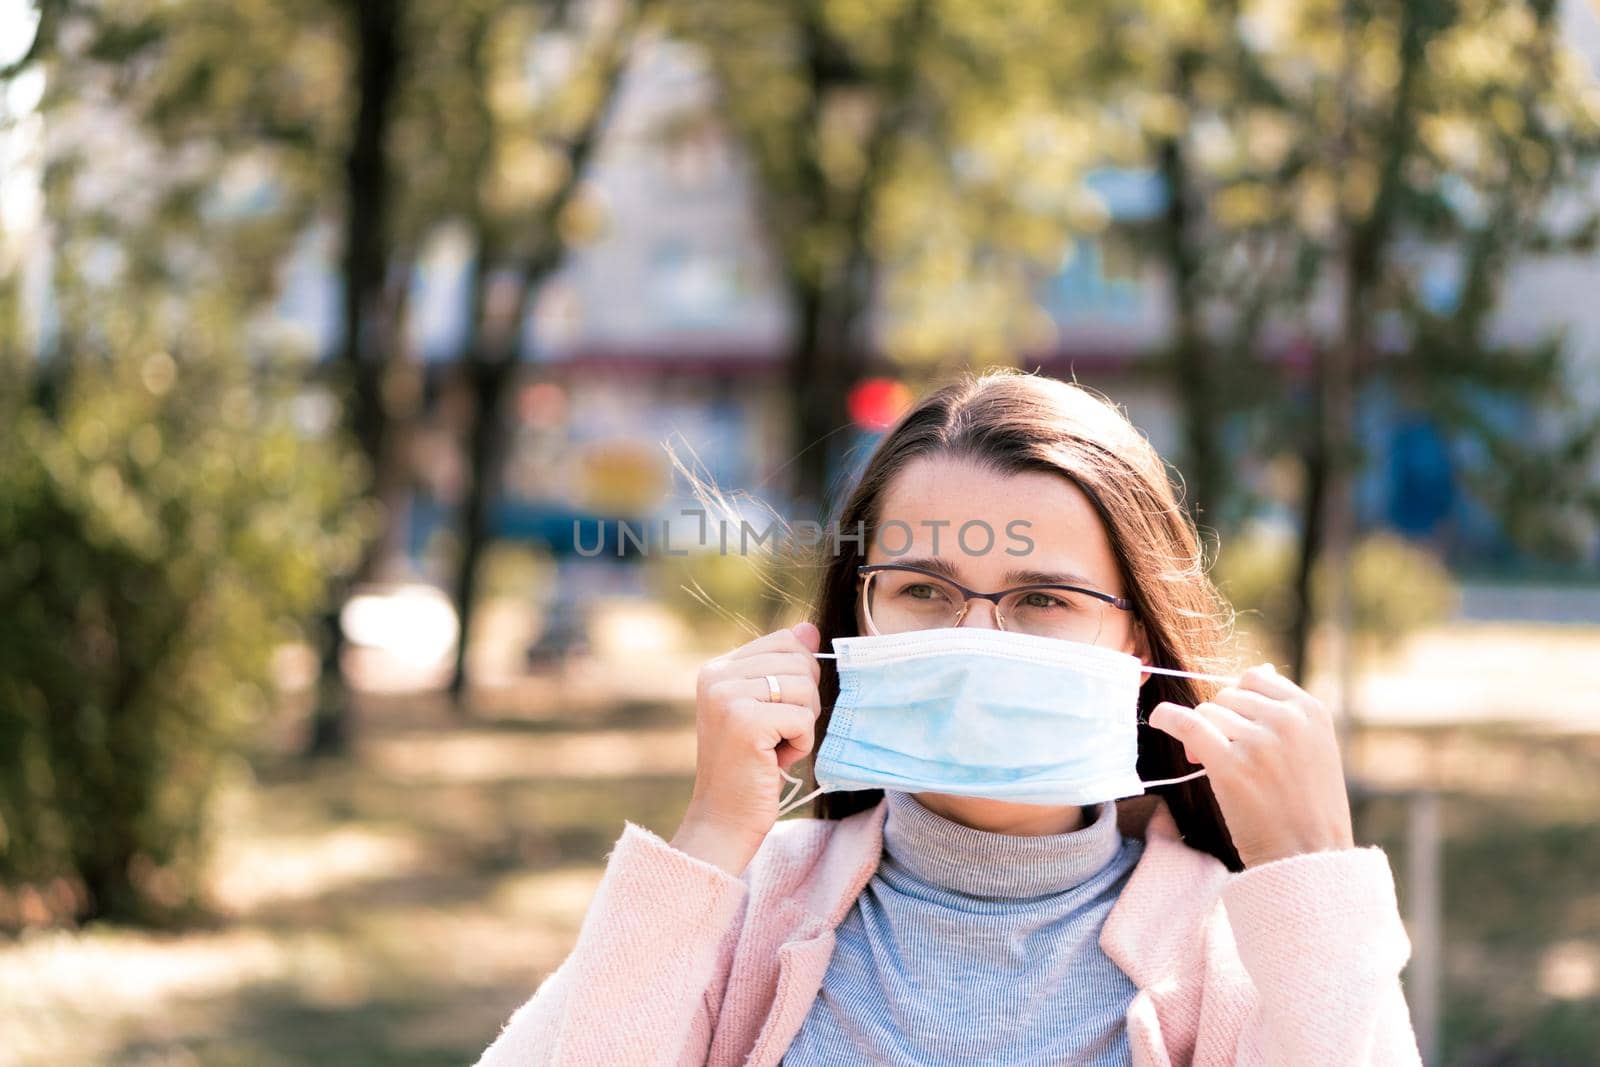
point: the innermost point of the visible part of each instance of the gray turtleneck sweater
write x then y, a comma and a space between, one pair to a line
970, 947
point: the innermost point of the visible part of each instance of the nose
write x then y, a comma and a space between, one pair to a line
986, 620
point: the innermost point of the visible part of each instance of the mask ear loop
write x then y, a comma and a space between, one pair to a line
789, 803
1174, 781
1228, 679
1225, 679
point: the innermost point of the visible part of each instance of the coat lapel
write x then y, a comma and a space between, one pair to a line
1156, 929
802, 963
1153, 928
847, 863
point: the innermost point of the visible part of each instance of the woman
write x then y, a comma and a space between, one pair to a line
1227, 918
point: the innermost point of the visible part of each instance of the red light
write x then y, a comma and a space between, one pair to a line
542, 403
877, 403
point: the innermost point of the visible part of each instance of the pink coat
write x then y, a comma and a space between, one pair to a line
1295, 963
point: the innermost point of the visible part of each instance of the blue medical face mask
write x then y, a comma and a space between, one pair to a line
984, 713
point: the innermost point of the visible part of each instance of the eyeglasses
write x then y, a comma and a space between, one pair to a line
899, 598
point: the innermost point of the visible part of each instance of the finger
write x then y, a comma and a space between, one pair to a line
1256, 707
1263, 678
790, 753
1232, 725
809, 635
784, 640
790, 724
775, 663
1201, 739
795, 689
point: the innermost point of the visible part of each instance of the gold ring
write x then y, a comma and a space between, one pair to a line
775, 692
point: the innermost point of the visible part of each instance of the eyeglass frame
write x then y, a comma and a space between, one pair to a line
866, 570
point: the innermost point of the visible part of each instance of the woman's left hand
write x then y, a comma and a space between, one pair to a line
1271, 753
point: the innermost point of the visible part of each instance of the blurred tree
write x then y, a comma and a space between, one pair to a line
529, 146
174, 503
1462, 128
1190, 80
819, 94
169, 524
250, 97
1326, 165
369, 349
480, 105
375, 32
913, 174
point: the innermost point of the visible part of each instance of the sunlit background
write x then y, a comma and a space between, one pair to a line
359, 363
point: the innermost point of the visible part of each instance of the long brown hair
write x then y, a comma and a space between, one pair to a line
1013, 422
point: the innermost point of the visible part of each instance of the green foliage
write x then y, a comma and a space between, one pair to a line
1396, 587
1360, 177
1253, 570
516, 571
166, 530
922, 156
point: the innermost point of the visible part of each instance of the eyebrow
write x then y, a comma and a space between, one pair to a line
940, 565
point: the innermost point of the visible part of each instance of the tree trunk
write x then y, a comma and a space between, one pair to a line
108, 885
494, 349
368, 334
1312, 508
1329, 520
489, 382
819, 373
828, 354
1193, 359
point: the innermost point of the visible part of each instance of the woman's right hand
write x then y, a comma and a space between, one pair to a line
744, 738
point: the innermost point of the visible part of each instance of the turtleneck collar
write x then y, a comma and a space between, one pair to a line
946, 853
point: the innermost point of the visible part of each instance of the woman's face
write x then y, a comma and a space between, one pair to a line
934, 497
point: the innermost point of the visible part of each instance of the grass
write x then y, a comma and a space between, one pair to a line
390, 909
396, 907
